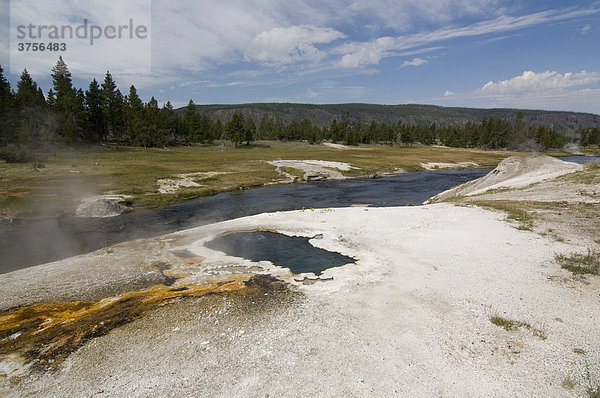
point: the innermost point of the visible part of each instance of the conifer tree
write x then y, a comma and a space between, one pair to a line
190, 122
205, 128
6, 96
218, 130
51, 99
168, 123
27, 95
249, 130
69, 102
7, 110
95, 116
113, 107
150, 123
135, 117
235, 128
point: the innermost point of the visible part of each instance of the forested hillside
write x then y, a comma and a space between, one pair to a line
323, 115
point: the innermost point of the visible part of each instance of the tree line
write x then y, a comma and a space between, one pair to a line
31, 122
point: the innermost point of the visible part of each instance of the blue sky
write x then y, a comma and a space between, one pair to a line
480, 53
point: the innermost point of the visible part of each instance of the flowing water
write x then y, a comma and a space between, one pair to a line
26, 243
581, 159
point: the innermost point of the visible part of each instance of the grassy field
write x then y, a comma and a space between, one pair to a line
67, 177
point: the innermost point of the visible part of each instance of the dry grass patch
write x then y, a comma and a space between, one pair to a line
580, 264
512, 209
511, 325
568, 383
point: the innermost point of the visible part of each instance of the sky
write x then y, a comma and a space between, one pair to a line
473, 53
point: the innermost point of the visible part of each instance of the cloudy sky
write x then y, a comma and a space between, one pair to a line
481, 53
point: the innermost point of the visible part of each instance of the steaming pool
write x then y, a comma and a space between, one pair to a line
293, 252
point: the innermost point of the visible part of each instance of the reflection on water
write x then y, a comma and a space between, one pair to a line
292, 252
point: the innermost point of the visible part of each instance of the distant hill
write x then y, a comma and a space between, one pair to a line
322, 115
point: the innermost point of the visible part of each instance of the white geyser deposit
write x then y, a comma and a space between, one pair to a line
410, 318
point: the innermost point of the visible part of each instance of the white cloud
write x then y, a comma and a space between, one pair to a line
535, 82
583, 100
546, 90
195, 36
420, 51
293, 44
310, 93
408, 14
584, 30
368, 53
414, 62
332, 91
123, 55
358, 54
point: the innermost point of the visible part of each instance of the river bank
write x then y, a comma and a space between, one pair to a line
153, 177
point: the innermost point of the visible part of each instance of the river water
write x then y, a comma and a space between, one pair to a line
28, 243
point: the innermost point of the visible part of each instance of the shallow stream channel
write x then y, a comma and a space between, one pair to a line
26, 243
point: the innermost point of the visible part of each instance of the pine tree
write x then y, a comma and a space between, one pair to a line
278, 130
218, 130
519, 132
80, 113
235, 128
150, 124
113, 108
61, 77
190, 122
7, 111
168, 123
265, 127
95, 116
29, 112
69, 102
292, 131
408, 134
249, 130
51, 99
134, 118
63, 87
27, 95
6, 96
305, 128
205, 128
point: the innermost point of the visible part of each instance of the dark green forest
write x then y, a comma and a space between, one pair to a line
32, 122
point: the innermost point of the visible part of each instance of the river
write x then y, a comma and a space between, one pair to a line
26, 243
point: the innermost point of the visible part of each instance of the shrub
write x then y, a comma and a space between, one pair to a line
14, 154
